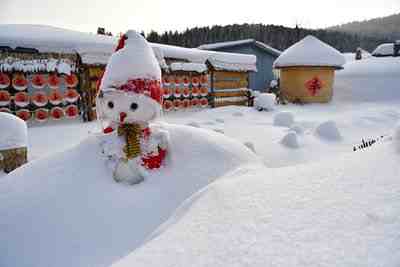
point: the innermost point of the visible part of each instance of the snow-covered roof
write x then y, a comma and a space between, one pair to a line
14, 132
310, 52
384, 50
96, 49
183, 66
92, 47
221, 45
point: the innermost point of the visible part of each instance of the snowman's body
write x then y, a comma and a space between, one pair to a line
130, 98
153, 147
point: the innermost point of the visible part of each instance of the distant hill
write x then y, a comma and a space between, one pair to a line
385, 27
279, 37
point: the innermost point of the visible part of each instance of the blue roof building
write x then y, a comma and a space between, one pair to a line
265, 54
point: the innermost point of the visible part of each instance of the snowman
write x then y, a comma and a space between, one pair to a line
129, 99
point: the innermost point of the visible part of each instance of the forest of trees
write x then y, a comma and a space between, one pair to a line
279, 37
385, 27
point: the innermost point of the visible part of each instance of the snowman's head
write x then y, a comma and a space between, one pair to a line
122, 107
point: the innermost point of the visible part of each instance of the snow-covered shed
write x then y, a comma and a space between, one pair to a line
41, 58
265, 54
307, 70
13, 142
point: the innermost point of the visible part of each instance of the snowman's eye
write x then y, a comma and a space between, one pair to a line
134, 106
110, 104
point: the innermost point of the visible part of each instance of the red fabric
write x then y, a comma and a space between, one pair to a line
154, 161
151, 88
121, 42
108, 130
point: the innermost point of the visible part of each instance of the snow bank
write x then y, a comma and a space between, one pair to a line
183, 66
310, 52
396, 138
328, 130
335, 213
284, 119
370, 80
67, 210
290, 140
265, 101
13, 133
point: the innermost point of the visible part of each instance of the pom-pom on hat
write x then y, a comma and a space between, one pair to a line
133, 68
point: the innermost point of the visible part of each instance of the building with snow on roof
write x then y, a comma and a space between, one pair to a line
265, 54
307, 71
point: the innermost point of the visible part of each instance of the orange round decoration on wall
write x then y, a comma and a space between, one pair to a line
57, 113
55, 97
71, 111
38, 81
21, 99
41, 115
71, 95
71, 80
24, 114
5, 98
39, 98
4, 80
19, 82
54, 81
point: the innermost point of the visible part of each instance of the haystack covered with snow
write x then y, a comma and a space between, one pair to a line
13, 133
13, 142
310, 52
307, 71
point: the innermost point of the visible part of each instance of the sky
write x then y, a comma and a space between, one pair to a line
119, 15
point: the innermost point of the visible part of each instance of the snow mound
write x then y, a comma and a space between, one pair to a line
194, 124
13, 133
310, 52
368, 80
328, 130
265, 102
396, 138
284, 119
331, 213
67, 211
291, 140
237, 114
250, 145
297, 128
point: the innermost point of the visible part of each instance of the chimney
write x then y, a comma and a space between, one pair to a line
396, 48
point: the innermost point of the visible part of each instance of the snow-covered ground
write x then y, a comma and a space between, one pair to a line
304, 199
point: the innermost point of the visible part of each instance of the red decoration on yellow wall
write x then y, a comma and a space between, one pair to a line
314, 85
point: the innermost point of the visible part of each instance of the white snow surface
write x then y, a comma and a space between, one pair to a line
291, 140
284, 119
184, 66
13, 133
68, 211
374, 79
310, 52
334, 213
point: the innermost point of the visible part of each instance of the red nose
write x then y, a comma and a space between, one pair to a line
122, 116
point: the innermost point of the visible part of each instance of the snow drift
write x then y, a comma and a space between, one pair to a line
335, 213
68, 211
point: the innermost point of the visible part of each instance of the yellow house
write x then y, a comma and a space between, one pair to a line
307, 71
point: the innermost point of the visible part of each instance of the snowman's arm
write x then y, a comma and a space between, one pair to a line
162, 138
